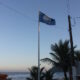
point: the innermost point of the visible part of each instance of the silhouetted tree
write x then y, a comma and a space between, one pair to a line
48, 75
60, 56
34, 73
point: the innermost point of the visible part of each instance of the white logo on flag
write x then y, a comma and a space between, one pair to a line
46, 18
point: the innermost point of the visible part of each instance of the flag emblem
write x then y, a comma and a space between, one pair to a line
45, 19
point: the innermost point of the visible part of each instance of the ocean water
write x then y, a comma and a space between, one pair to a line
17, 75
24, 75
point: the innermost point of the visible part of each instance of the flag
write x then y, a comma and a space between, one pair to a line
45, 19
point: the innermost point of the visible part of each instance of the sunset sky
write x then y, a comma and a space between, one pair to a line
19, 30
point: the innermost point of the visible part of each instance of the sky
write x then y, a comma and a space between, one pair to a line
19, 30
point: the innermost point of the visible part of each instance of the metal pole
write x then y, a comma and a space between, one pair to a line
38, 50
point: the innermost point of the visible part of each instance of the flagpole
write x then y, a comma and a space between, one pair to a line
48, 21
38, 50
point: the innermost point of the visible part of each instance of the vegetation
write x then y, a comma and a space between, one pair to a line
60, 60
60, 56
44, 75
48, 75
34, 73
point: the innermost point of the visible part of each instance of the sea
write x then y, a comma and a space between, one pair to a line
25, 75
17, 75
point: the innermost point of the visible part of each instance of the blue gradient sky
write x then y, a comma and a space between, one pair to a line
19, 25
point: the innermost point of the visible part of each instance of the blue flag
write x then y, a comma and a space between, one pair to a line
45, 19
